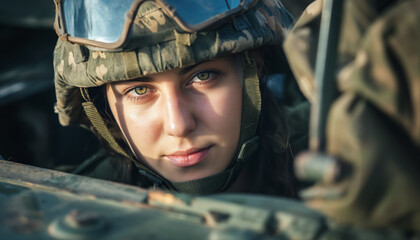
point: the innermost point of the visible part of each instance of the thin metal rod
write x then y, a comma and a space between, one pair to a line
325, 72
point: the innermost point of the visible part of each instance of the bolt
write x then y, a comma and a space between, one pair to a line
80, 219
314, 166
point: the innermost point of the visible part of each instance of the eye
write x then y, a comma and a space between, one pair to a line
204, 76
140, 90
139, 93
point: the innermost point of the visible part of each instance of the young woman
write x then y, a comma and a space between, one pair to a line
180, 97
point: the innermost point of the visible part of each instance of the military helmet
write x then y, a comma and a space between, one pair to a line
157, 36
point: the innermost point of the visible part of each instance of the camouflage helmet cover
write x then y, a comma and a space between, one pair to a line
156, 44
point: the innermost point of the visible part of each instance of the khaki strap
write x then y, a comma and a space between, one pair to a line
97, 121
251, 109
251, 104
131, 65
184, 50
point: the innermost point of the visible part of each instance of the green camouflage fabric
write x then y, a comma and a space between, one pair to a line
374, 124
157, 44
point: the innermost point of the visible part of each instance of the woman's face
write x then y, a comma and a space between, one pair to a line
183, 123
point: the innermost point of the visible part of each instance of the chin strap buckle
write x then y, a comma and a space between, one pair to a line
247, 149
156, 181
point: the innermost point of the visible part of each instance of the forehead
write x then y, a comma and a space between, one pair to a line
231, 62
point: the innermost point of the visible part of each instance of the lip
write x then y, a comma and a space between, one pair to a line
188, 158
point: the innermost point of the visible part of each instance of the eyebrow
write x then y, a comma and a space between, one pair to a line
189, 68
150, 79
140, 79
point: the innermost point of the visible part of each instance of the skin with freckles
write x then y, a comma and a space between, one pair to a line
183, 123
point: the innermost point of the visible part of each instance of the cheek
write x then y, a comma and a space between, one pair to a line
140, 128
226, 106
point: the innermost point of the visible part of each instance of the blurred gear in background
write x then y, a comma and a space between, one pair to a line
296, 7
29, 130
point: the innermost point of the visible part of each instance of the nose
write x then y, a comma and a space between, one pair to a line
179, 119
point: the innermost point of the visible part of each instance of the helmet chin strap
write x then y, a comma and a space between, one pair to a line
247, 145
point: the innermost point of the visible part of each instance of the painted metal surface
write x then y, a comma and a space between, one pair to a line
38, 203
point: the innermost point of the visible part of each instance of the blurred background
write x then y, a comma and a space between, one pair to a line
29, 128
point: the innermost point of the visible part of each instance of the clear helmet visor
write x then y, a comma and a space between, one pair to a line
99, 20
194, 12
104, 20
